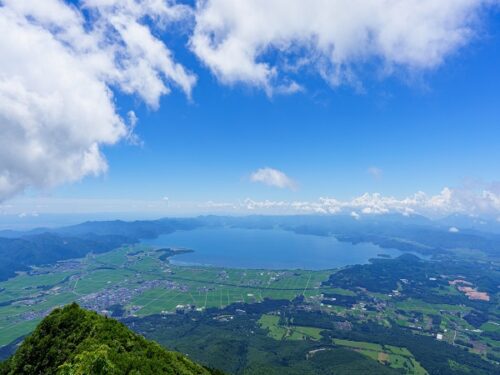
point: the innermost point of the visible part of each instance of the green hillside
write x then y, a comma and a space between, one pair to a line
75, 341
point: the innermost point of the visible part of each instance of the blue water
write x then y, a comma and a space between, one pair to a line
269, 249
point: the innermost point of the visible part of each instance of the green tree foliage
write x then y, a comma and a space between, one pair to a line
18, 254
73, 341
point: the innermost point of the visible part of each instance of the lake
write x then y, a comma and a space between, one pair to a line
269, 249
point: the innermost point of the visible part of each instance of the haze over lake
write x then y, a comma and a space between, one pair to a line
270, 249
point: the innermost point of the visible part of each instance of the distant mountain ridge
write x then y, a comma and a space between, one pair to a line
413, 233
133, 229
19, 250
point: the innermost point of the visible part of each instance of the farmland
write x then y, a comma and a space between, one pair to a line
142, 282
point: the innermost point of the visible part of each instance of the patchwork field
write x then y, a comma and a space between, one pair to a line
141, 282
279, 332
393, 356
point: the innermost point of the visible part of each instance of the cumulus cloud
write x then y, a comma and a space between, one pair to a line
453, 230
236, 39
58, 68
272, 177
355, 215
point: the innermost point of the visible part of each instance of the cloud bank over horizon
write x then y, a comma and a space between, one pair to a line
476, 202
483, 202
480, 203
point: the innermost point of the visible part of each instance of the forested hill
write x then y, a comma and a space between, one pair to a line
72, 340
20, 250
18, 254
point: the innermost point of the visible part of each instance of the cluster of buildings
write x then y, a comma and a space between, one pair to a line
101, 301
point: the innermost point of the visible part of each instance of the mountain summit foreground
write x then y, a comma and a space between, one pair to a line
72, 340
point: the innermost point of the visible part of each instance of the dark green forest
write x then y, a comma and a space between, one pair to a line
240, 346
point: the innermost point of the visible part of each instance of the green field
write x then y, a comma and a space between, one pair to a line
491, 327
207, 287
279, 332
428, 308
358, 345
393, 356
26, 298
311, 332
271, 323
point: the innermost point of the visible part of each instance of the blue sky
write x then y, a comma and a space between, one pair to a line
412, 130
423, 135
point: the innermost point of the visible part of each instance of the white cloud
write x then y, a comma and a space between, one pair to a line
272, 177
331, 37
453, 230
448, 201
57, 70
217, 205
146, 64
375, 172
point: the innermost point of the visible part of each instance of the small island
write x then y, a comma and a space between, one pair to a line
171, 251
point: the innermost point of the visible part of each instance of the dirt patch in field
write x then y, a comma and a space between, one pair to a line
383, 357
474, 294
